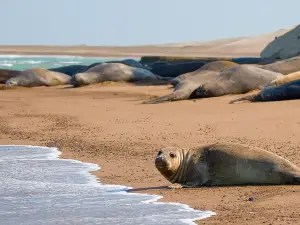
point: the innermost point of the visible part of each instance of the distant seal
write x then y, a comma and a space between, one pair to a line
286, 66
285, 79
70, 69
237, 80
176, 68
38, 77
113, 72
286, 91
7, 74
185, 87
217, 66
223, 164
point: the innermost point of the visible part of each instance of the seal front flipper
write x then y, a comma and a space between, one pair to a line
165, 98
174, 96
186, 185
175, 186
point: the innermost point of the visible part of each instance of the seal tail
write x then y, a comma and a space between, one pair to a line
251, 98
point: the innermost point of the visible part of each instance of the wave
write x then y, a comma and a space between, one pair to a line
6, 64
66, 188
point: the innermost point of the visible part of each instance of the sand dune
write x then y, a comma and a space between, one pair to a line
230, 47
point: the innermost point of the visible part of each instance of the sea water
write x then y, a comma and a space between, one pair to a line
23, 62
37, 187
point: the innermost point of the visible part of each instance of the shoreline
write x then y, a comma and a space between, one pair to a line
106, 125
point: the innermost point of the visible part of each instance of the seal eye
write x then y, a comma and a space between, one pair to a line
159, 153
172, 155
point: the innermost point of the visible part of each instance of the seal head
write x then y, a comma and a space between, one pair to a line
167, 161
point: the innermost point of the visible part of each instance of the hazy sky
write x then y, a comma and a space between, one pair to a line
135, 22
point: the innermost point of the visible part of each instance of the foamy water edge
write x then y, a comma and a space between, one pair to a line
120, 189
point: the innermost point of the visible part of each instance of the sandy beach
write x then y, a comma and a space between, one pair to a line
107, 124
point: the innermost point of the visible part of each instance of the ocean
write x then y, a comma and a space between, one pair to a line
37, 187
23, 62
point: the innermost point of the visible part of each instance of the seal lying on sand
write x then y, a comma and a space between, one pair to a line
184, 89
38, 77
70, 70
285, 79
217, 66
283, 66
237, 80
114, 72
164, 69
222, 164
7, 74
287, 91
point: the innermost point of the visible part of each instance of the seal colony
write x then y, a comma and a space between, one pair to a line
223, 164
208, 78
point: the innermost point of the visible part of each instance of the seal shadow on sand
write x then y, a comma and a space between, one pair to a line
206, 187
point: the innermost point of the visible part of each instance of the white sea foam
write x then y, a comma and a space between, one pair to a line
36, 187
6, 64
31, 62
70, 62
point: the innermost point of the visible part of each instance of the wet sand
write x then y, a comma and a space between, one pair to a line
107, 124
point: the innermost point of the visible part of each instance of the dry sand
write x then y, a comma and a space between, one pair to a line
107, 125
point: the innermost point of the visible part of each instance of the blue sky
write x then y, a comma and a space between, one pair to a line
137, 22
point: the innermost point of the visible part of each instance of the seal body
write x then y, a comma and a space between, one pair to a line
237, 80
217, 66
38, 77
287, 91
7, 74
70, 70
113, 72
286, 78
286, 66
224, 164
185, 87
175, 69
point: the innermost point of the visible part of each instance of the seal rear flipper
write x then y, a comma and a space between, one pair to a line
160, 99
174, 96
251, 98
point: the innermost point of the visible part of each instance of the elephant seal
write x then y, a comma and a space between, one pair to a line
70, 70
38, 77
223, 164
184, 89
286, 78
217, 66
287, 91
237, 80
7, 74
175, 69
114, 72
283, 66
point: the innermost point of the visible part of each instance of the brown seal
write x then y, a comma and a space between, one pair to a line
222, 164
